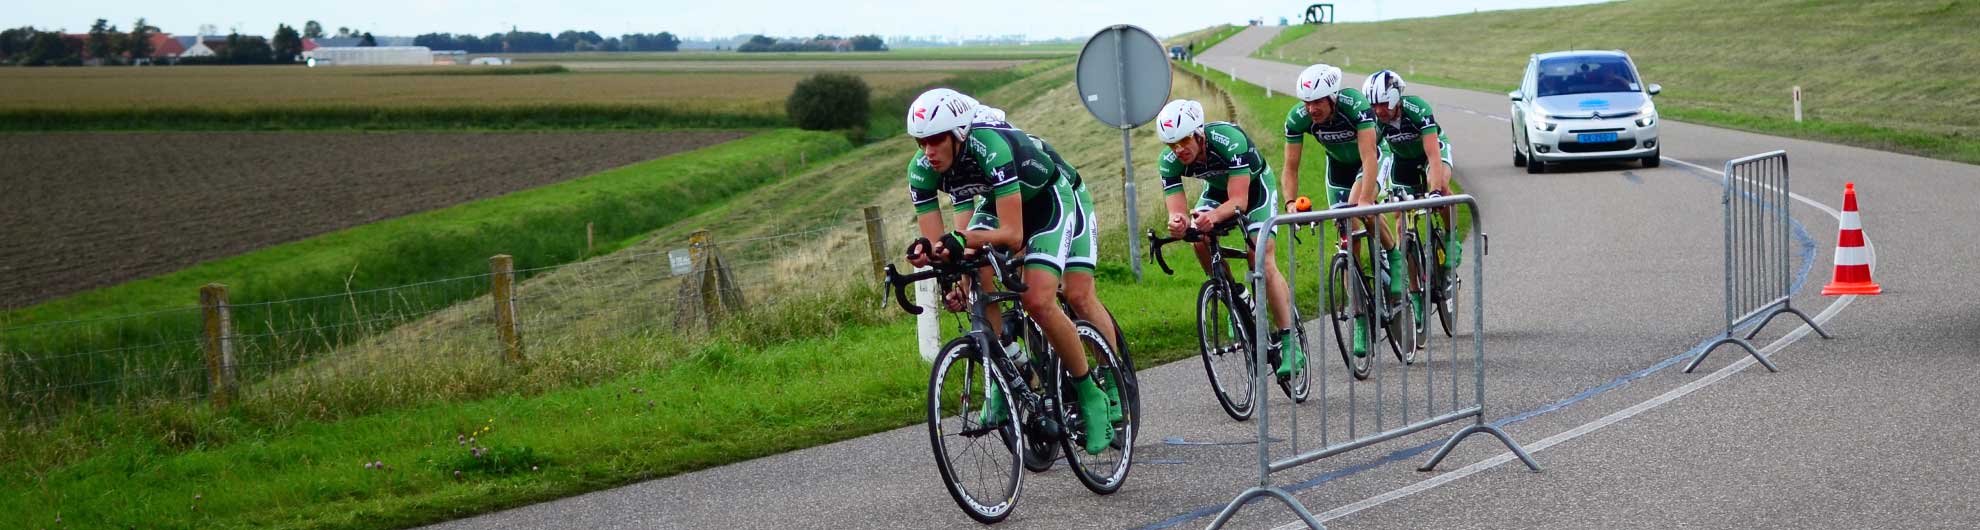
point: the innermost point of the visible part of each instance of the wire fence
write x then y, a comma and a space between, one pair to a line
352, 351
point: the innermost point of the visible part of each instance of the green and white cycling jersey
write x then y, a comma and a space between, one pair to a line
1228, 153
1406, 165
1079, 238
1338, 134
998, 160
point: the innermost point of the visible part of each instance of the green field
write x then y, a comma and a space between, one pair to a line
1893, 75
976, 53
292, 98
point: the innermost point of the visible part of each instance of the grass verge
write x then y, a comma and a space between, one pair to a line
1721, 64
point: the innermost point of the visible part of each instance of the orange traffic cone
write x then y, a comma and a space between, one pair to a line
1852, 260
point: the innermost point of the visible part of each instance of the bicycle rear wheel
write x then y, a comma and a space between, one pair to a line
980, 464
1222, 337
1345, 294
1408, 332
1101, 473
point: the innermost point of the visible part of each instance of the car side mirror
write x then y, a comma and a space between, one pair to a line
1656, 88
1516, 96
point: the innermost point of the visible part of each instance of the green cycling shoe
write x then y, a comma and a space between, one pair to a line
1113, 391
1361, 336
1398, 274
1092, 406
994, 412
1416, 305
1291, 356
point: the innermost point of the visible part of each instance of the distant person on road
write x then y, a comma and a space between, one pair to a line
1007, 192
1340, 119
1410, 130
1238, 182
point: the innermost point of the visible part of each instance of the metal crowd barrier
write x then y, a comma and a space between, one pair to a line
1345, 426
1759, 284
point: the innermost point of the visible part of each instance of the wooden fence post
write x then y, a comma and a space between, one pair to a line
876, 246
710, 291
502, 271
589, 248
219, 333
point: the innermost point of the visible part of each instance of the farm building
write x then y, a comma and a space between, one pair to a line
370, 56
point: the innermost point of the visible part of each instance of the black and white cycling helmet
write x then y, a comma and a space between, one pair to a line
1384, 88
1318, 81
941, 110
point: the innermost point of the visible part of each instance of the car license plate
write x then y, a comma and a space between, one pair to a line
1595, 138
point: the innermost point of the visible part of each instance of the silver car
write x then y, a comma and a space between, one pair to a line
1583, 105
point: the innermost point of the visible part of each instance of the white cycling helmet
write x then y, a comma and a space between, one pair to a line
1179, 119
940, 110
1384, 88
989, 113
1318, 81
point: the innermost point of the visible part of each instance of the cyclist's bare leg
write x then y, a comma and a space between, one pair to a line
996, 317
1041, 301
1203, 257
1278, 297
1085, 301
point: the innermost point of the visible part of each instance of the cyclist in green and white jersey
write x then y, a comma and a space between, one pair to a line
1341, 120
1034, 207
1410, 129
1081, 261
1238, 182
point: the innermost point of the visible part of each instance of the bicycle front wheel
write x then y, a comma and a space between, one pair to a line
1101, 473
1345, 301
1443, 281
980, 464
1223, 338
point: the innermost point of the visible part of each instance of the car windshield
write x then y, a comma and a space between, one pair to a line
1586, 75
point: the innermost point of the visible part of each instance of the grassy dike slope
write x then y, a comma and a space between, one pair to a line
1894, 75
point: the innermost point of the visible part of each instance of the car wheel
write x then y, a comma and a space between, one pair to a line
1519, 159
1535, 166
1655, 159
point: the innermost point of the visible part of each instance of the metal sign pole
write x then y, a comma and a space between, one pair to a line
1127, 159
1105, 62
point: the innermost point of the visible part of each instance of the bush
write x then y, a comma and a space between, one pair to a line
829, 101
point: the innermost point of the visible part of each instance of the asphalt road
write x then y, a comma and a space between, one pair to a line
1600, 278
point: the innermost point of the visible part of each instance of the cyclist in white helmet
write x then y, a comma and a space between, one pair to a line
1238, 183
1085, 238
1340, 119
1029, 206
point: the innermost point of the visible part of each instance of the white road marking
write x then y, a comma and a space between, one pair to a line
1620, 415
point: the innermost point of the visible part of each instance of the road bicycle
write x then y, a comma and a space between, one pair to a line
982, 464
1224, 325
1352, 294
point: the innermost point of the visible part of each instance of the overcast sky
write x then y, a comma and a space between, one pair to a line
1038, 19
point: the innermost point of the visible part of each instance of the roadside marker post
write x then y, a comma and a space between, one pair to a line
1797, 103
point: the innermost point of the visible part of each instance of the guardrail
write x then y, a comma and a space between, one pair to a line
1381, 404
1759, 283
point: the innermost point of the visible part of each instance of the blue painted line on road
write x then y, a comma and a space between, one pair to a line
1177, 440
1806, 253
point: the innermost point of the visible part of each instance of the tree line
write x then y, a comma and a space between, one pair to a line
536, 42
820, 43
105, 44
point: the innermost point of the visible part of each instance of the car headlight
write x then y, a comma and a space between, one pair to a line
1542, 125
1647, 120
